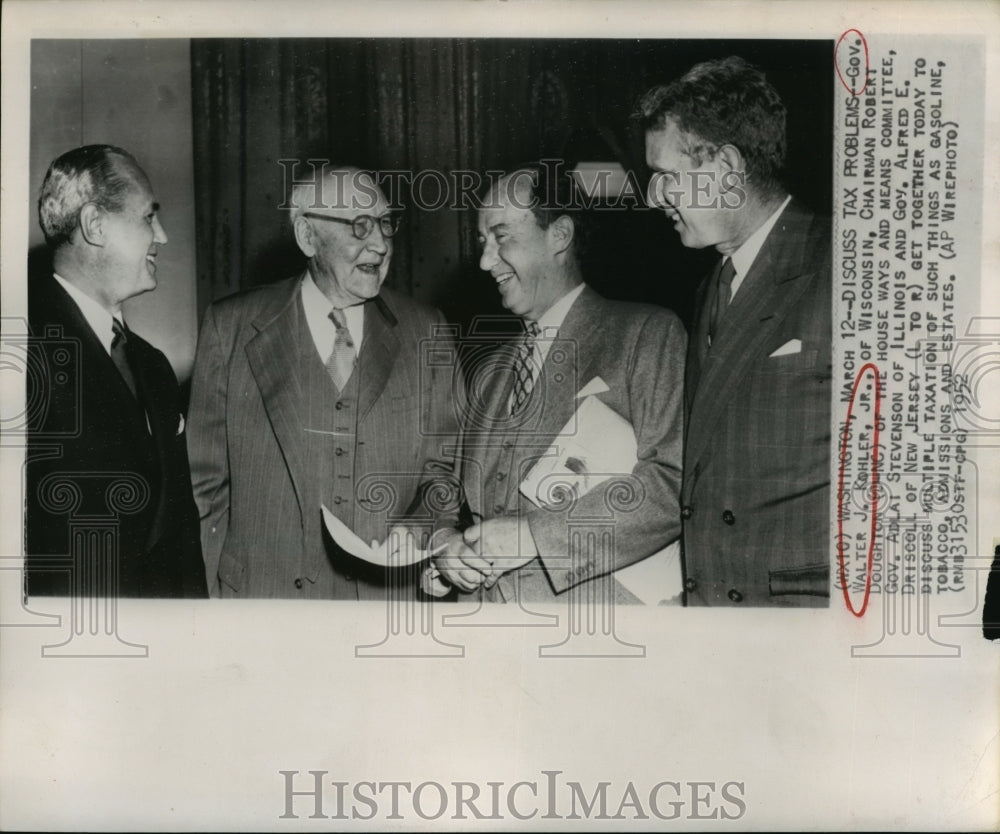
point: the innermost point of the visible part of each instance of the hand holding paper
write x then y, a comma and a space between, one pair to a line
399, 548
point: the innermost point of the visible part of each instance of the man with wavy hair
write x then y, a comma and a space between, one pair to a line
756, 491
106, 438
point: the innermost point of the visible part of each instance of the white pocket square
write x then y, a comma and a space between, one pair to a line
788, 348
595, 386
180, 424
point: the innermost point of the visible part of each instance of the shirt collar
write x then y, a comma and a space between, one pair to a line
744, 257
317, 309
552, 319
99, 319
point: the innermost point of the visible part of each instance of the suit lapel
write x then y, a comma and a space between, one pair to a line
378, 353
98, 370
271, 354
568, 363
163, 424
552, 401
96, 366
772, 287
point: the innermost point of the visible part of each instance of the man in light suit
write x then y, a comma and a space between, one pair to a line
106, 458
756, 493
631, 355
310, 392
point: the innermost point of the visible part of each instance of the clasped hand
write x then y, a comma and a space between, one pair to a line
484, 552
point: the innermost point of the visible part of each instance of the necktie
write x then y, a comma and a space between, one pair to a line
723, 290
524, 367
340, 363
119, 355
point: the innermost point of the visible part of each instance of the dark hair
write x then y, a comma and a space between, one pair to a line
553, 194
89, 174
724, 102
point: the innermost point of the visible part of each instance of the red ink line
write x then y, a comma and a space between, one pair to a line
874, 486
836, 62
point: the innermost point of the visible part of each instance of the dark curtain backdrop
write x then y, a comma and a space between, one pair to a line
452, 104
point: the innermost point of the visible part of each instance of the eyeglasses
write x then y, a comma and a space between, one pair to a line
364, 224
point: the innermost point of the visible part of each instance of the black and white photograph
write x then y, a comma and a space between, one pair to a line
449, 416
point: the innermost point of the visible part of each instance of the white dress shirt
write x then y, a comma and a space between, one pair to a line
551, 320
99, 319
744, 257
548, 326
317, 308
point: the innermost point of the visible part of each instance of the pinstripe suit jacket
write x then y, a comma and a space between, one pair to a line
260, 533
756, 490
638, 350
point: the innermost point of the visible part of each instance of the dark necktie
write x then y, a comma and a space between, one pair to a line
119, 355
343, 357
720, 300
524, 367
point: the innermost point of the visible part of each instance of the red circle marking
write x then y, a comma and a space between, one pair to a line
836, 62
874, 486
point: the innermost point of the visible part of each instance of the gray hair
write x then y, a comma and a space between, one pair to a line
89, 174
310, 195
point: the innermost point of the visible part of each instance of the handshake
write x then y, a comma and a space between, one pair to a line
480, 555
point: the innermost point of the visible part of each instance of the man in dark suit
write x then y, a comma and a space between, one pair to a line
311, 392
576, 343
109, 504
756, 493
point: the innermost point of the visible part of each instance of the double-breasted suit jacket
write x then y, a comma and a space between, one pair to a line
104, 470
756, 489
271, 440
638, 352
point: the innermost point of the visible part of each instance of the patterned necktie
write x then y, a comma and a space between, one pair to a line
119, 357
723, 290
340, 364
524, 367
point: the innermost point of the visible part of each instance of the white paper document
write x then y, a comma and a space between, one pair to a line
393, 552
597, 443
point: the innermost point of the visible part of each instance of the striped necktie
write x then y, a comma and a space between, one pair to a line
340, 364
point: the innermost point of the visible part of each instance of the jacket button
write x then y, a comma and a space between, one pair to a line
497, 509
686, 513
690, 585
500, 476
339, 405
298, 583
728, 517
338, 500
338, 452
349, 577
734, 595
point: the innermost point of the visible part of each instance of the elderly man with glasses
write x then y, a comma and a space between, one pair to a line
308, 393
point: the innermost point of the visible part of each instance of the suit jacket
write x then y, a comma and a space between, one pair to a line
638, 351
94, 464
262, 534
756, 489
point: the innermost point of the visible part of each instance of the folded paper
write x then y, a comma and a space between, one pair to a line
596, 444
393, 552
